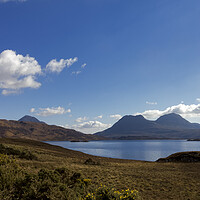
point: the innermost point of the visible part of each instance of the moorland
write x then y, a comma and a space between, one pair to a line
36, 170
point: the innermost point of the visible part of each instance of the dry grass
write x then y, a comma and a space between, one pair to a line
180, 181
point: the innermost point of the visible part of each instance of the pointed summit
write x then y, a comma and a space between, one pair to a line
28, 118
174, 120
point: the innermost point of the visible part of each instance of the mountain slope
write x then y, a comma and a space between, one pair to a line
41, 131
171, 126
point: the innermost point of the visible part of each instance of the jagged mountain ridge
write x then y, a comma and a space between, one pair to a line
171, 126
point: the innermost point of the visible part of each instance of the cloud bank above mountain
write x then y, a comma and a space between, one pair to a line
184, 110
45, 112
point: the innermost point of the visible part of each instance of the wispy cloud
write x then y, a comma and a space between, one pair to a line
99, 117
32, 110
81, 119
79, 71
9, 92
5, 1
116, 116
17, 72
50, 111
192, 110
83, 65
76, 72
151, 103
198, 99
58, 66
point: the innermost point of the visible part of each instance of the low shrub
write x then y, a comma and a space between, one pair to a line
24, 154
60, 184
89, 161
105, 193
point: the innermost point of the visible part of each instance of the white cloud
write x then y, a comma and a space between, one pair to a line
192, 110
9, 92
83, 65
32, 110
99, 117
198, 99
116, 116
81, 119
89, 127
91, 124
65, 126
58, 66
17, 72
76, 72
151, 103
5, 1
51, 111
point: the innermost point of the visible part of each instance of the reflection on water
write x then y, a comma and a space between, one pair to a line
149, 150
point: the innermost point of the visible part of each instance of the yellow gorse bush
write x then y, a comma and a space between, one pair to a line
5, 159
104, 192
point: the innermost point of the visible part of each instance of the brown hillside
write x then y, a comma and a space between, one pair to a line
153, 180
41, 131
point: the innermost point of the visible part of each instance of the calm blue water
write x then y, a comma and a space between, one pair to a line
149, 150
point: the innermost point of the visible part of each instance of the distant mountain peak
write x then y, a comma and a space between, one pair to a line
129, 119
133, 117
139, 116
173, 119
171, 115
170, 125
28, 118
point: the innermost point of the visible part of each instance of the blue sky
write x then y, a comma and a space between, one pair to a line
85, 63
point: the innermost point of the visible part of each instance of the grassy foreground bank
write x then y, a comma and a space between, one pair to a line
152, 180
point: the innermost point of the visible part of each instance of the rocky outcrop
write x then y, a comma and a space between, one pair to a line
187, 157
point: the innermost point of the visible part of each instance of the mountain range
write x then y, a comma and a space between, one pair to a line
170, 126
31, 128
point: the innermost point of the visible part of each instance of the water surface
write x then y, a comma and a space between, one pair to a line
149, 150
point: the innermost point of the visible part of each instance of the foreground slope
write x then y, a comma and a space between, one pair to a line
41, 131
153, 180
170, 126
